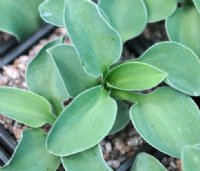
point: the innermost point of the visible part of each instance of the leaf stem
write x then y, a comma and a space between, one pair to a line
126, 95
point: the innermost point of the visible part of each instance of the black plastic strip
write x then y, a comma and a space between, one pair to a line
4, 156
7, 45
8, 58
6, 140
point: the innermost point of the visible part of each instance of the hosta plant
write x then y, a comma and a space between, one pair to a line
81, 92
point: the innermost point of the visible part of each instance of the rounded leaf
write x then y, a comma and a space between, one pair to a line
89, 160
181, 64
52, 11
191, 158
83, 124
180, 31
20, 18
167, 119
97, 43
31, 154
25, 107
160, 9
129, 20
146, 162
132, 76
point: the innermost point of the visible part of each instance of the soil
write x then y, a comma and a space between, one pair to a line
116, 148
4, 37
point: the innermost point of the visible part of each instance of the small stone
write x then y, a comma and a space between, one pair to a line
11, 71
108, 147
113, 163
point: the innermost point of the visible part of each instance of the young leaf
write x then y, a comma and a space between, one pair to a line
177, 26
74, 76
98, 44
171, 57
31, 154
167, 119
160, 9
191, 158
122, 118
89, 160
20, 18
43, 78
83, 124
130, 18
25, 107
52, 11
146, 162
134, 76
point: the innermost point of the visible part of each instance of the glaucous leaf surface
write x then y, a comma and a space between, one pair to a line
31, 154
191, 158
130, 18
75, 78
122, 118
146, 162
52, 11
89, 160
160, 9
25, 107
180, 31
20, 18
167, 119
135, 76
83, 123
43, 78
98, 44
197, 4
181, 64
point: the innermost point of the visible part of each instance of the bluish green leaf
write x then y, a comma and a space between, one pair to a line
197, 4
191, 158
89, 160
133, 76
20, 18
31, 154
181, 64
83, 124
75, 78
25, 107
43, 78
146, 162
167, 119
128, 17
183, 27
160, 9
98, 44
122, 118
52, 11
